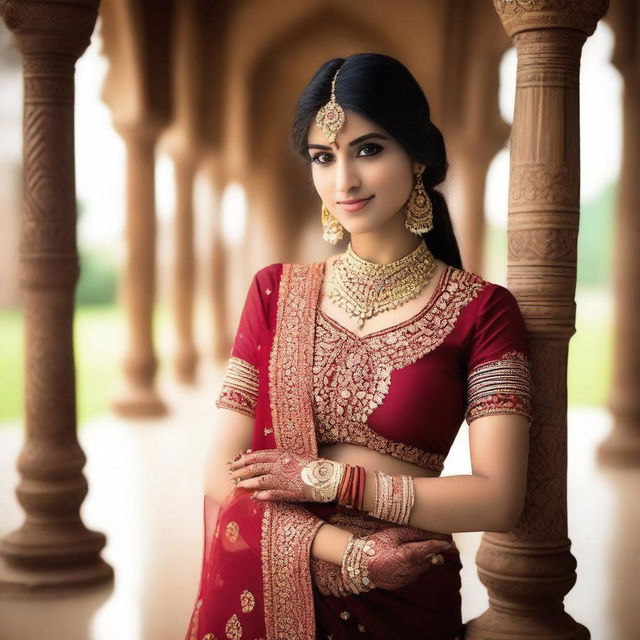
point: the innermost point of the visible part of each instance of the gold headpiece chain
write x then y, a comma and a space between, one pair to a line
330, 118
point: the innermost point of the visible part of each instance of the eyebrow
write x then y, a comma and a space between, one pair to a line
353, 142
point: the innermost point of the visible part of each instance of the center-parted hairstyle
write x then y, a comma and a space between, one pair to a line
381, 89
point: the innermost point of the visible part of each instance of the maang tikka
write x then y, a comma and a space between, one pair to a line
330, 119
419, 209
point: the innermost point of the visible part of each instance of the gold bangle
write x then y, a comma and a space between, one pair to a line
323, 477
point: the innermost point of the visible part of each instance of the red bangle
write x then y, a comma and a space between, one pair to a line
344, 485
354, 487
363, 480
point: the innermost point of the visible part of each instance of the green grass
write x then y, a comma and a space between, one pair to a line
99, 338
100, 334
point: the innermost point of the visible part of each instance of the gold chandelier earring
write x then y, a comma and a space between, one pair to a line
332, 230
419, 209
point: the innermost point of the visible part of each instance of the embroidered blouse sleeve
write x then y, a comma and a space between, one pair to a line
499, 367
240, 385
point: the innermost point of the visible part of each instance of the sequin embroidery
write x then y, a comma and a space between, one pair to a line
233, 628
247, 601
232, 531
287, 533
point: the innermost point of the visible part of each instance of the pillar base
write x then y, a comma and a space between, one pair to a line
621, 448
20, 581
139, 402
45, 558
495, 625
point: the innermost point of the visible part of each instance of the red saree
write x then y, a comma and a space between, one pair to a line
403, 391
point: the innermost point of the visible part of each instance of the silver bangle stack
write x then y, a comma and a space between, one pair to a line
395, 497
355, 574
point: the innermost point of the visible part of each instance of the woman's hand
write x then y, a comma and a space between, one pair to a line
274, 473
401, 555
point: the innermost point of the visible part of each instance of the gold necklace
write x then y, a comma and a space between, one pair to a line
365, 289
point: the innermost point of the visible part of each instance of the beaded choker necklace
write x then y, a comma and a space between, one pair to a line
365, 289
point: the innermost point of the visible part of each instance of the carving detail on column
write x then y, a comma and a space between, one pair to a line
523, 15
536, 245
537, 184
52, 548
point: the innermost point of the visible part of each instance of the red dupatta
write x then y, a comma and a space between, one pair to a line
255, 581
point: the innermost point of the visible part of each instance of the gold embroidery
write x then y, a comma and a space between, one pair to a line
352, 374
240, 387
232, 531
209, 636
345, 615
361, 628
500, 386
291, 358
247, 600
233, 628
287, 532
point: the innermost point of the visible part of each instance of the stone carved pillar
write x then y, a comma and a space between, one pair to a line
528, 571
52, 549
139, 398
622, 446
186, 358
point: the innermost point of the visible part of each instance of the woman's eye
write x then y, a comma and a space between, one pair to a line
317, 157
376, 149
373, 149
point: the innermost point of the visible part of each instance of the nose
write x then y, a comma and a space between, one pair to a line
347, 179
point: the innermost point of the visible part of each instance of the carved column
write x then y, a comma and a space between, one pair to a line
139, 397
622, 446
528, 571
52, 549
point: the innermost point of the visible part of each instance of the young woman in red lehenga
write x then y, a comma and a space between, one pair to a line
347, 383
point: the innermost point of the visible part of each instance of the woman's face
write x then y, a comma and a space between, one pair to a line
364, 162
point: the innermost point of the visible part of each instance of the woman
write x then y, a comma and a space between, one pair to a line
347, 383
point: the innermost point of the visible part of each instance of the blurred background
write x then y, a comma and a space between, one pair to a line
206, 121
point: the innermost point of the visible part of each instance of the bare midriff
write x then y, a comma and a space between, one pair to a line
372, 460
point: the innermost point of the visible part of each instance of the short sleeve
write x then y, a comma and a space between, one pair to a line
499, 364
239, 390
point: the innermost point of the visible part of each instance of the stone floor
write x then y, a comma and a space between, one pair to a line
145, 495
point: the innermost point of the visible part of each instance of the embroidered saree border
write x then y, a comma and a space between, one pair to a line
288, 530
291, 359
287, 534
239, 387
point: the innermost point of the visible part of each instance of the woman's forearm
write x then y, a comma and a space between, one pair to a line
330, 543
453, 504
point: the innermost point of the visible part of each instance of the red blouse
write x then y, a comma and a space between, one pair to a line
406, 389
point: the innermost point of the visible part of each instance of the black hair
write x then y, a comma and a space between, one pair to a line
381, 89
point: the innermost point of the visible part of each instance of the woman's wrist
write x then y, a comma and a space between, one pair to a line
330, 543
